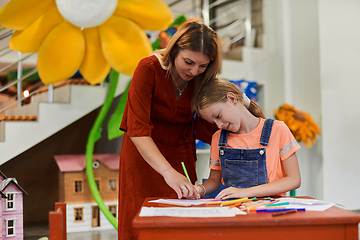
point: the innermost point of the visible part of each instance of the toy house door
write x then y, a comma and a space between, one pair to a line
95, 216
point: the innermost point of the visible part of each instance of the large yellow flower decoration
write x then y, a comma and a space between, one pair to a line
300, 124
87, 35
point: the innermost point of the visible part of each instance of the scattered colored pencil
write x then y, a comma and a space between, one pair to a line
284, 212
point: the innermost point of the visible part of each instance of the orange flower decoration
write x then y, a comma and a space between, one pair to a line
300, 124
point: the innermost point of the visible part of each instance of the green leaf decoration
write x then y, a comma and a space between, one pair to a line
116, 118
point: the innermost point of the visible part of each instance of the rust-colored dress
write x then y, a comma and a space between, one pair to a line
153, 110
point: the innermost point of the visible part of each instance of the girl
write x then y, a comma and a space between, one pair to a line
254, 157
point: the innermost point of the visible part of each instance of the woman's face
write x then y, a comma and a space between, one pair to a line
189, 64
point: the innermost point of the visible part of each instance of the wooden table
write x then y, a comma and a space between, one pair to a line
333, 223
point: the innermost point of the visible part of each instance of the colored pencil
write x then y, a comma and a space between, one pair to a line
228, 203
283, 212
277, 204
175, 204
186, 174
279, 209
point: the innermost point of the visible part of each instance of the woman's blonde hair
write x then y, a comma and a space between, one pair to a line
197, 37
215, 91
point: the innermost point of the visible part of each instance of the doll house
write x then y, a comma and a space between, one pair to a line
82, 211
11, 208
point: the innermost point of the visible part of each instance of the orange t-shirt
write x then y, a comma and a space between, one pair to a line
281, 145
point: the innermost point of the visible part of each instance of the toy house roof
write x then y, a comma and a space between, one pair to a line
6, 182
3, 175
76, 163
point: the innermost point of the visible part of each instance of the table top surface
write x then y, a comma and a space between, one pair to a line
333, 215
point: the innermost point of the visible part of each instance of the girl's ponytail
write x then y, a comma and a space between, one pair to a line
255, 110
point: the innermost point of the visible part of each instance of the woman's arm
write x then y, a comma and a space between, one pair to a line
152, 155
211, 184
292, 180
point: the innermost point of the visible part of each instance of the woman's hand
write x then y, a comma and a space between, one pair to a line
180, 184
150, 152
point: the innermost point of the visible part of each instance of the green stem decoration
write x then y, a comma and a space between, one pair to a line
95, 134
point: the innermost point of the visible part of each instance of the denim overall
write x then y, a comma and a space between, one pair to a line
244, 168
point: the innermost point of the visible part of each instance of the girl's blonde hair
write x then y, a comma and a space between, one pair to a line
197, 37
215, 91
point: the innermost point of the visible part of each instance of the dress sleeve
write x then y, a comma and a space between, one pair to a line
204, 130
136, 118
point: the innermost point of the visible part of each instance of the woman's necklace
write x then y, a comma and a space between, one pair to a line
180, 90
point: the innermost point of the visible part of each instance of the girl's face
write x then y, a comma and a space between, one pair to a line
225, 115
189, 64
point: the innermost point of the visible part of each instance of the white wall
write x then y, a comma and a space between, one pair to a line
311, 59
302, 82
339, 28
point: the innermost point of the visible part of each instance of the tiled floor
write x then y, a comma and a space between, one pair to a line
101, 235
38, 230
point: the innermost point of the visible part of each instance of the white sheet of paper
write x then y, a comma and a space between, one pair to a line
202, 212
308, 204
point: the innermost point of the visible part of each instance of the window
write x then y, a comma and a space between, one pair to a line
10, 227
78, 186
10, 201
97, 181
112, 209
78, 214
112, 184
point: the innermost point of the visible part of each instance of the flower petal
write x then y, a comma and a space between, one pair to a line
148, 14
19, 14
30, 39
124, 44
61, 53
94, 68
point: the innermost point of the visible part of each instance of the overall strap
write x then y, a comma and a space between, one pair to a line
266, 132
223, 138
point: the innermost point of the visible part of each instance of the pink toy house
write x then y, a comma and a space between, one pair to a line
11, 208
82, 212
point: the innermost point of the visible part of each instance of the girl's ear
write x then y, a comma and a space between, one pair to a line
231, 97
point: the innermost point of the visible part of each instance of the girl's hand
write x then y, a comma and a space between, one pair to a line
233, 192
181, 185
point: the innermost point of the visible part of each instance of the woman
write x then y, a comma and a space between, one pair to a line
159, 124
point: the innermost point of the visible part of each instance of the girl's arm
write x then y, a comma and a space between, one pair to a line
211, 184
152, 155
292, 180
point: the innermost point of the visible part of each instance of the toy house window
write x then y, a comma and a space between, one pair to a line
78, 214
112, 209
112, 184
10, 227
10, 201
78, 186
97, 181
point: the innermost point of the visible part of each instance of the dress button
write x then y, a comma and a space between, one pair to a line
261, 152
221, 152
